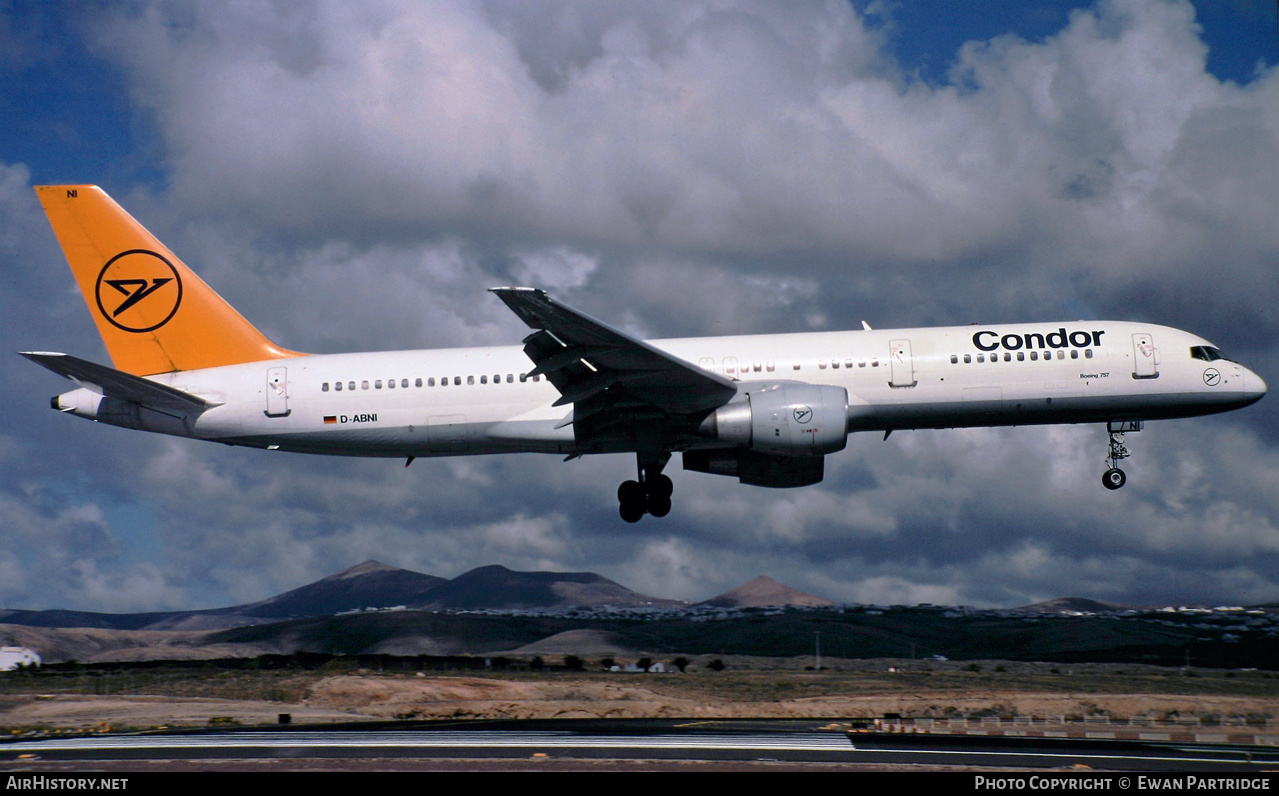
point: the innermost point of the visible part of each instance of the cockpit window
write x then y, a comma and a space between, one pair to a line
1207, 353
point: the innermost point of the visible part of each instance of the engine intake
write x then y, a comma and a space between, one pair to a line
784, 418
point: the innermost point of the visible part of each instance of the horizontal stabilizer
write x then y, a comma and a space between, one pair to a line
113, 383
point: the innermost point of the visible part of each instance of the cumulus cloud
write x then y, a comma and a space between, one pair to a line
354, 176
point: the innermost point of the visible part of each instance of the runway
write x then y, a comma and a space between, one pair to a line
792, 743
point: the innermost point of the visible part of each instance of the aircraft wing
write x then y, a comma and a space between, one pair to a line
115, 383
586, 359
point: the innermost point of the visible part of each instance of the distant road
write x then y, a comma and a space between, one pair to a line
557, 743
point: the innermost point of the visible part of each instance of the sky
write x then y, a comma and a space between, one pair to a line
355, 176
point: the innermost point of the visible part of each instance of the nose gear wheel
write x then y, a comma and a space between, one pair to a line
1114, 478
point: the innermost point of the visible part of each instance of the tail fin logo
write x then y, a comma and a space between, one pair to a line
138, 291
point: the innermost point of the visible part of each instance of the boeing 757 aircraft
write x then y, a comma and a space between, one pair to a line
765, 409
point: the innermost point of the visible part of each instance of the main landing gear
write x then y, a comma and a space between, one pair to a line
651, 494
1114, 477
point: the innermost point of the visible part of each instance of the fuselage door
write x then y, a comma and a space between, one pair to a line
903, 364
730, 367
277, 392
1143, 357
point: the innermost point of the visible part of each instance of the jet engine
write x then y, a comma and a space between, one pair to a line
783, 418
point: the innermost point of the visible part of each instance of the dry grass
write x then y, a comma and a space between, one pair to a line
747, 688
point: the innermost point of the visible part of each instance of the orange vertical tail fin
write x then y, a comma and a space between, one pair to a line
154, 314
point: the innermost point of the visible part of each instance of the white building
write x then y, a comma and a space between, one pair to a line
13, 657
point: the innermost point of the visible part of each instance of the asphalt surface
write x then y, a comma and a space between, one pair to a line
613, 745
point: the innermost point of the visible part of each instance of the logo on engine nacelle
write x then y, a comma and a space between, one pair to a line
802, 414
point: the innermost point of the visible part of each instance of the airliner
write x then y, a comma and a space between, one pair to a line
765, 409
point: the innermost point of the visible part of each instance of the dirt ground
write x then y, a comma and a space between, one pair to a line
457, 697
364, 696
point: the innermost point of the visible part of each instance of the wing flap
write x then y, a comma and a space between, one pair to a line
584, 357
115, 383
569, 355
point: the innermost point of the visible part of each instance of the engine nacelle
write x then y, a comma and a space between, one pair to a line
81, 403
758, 469
784, 418
115, 412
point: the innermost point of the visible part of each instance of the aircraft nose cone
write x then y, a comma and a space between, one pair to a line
1253, 386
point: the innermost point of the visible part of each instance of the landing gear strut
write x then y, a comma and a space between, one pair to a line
651, 494
1114, 477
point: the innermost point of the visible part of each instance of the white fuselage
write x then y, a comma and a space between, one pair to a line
474, 400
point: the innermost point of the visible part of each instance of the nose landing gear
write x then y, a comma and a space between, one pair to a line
651, 494
1114, 477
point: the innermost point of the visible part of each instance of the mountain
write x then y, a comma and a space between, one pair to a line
763, 591
1060, 630
496, 587
368, 585
373, 585
88, 619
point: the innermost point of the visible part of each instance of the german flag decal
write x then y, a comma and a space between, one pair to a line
330, 419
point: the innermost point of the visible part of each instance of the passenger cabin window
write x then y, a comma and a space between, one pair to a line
350, 385
337, 385
483, 379
429, 382
457, 381
377, 385
324, 387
